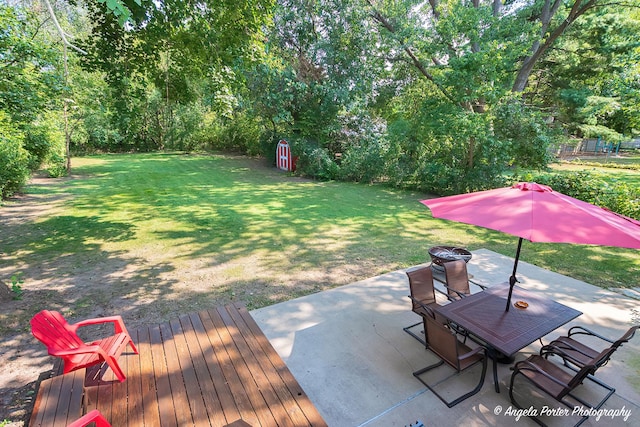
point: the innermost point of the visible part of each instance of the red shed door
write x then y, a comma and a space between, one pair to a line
284, 160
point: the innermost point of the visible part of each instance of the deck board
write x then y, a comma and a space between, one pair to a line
292, 395
149, 404
244, 410
242, 378
279, 395
206, 382
212, 368
161, 375
59, 400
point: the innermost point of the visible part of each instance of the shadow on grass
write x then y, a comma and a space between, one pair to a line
133, 234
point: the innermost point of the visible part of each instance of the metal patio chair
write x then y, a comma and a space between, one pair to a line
444, 343
558, 382
577, 353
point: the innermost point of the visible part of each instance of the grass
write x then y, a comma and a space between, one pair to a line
273, 236
612, 170
150, 236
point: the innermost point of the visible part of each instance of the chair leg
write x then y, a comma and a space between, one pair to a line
133, 346
589, 405
516, 404
115, 367
459, 399
418, 337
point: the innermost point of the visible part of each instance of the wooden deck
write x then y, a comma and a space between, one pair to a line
213, 368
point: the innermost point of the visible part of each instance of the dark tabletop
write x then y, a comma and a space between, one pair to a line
483, 314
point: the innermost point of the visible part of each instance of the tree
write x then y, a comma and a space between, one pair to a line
451, 79
466, 53
590, 79
177, 58
29, 86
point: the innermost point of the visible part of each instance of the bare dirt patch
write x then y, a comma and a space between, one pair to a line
151, 284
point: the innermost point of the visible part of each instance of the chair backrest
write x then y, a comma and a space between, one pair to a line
626, 337
443, 342
457, 278
53, 331
623, 339
421, 286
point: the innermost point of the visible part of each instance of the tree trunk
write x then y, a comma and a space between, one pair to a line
540, 46
67, 133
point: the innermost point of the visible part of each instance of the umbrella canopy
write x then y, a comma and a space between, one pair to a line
537, 213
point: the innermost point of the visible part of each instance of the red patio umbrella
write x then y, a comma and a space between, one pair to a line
537, 213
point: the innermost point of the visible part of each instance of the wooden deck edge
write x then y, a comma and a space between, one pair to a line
246, 362
297, 392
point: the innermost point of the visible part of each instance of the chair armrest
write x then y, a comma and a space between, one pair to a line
562, 346
118, 323
93, 416
533, 367
79, 350
457, 329
460, 294
441, 292
581, 330
483, 287
424, 306
473, 353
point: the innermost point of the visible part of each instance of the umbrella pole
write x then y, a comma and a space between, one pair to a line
512, 279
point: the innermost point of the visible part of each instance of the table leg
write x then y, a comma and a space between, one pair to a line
493, 354
504, 359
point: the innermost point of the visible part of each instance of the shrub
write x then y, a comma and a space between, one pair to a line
14, 159
364, 162
444, 180
240, 134
181, 132
314, 161
44, 140
268, 146
56, 165
362, 148
37, 143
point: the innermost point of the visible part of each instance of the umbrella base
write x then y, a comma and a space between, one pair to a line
504, 359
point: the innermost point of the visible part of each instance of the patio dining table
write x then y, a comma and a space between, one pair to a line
503, 332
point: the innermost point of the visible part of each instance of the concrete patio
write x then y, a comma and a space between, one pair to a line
347, 349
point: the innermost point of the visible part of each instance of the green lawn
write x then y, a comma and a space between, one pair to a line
614, 170
248, 230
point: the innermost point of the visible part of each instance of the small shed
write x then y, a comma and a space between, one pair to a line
284, 159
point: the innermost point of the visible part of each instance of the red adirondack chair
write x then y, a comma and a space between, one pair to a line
93, 416
62, 341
